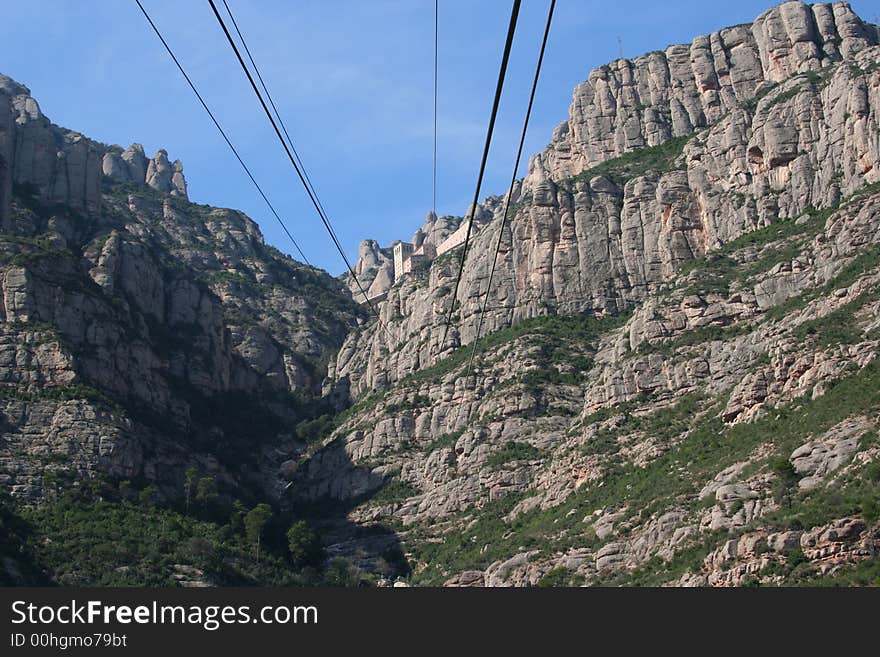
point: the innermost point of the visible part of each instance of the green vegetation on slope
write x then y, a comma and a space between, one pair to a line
512, 451
699, 446
555, 327
720, 268
101, 536
637, 163
553, 331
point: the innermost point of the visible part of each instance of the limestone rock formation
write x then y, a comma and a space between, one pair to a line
599, 236
374, 270
630, 104
711, 214
166, 176
52, 164
127, 313
131, 165
677, 382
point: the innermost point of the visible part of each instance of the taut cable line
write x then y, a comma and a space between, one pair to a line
274, 108
436, 51
220, 129
514, 14
293, 162
519, 151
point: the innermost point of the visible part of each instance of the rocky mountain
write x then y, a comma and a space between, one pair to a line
682, 325
375, 265
747, 125
676, 382
139, 330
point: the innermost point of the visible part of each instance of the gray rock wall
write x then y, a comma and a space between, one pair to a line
630, 104
56, 165
59, 166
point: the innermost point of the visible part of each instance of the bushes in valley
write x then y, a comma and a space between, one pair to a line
94, 536
17, 560
315, 429
303, 543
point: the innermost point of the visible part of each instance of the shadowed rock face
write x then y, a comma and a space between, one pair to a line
140, 332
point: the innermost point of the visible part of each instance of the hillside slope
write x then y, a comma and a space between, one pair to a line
143, 336
678, 384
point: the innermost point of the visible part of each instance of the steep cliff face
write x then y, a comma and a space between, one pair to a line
59, 165
374, 270
678, 380
678, 383
793, 125
375, 265
723, 433
143, 334
631, 104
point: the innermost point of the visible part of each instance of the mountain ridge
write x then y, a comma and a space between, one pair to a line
677, 382
571, 238
703, 244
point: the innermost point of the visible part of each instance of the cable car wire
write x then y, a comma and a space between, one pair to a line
220, 129
293, 162
519, 151
470, 216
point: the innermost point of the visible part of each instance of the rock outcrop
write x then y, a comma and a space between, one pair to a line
132, 165
646, 101
598, 237
707, 222
374, 270
135, 326
55, 165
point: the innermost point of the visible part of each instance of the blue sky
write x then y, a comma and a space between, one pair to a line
353, 81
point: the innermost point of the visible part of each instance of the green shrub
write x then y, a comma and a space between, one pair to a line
394, 490
512, 451
303, 543
81, 540
446, 440
410, 403
659, 159
316, 429
554, 578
